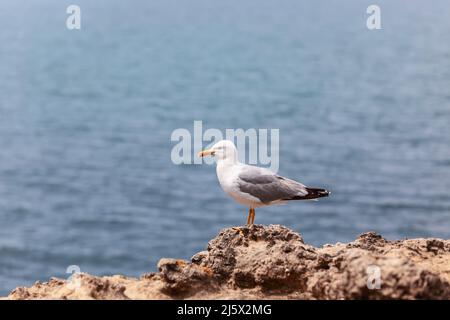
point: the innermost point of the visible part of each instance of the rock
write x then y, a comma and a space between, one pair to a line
182, 279
273, 262
82, 286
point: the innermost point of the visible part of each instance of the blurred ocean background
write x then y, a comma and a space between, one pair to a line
86, 117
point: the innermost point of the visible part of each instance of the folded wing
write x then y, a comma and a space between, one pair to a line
269, 187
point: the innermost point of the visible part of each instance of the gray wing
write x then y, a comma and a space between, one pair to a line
267, 186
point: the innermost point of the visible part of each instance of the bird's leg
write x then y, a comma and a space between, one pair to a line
253, 216
249, 216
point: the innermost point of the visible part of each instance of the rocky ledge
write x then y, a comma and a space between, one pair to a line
273, 262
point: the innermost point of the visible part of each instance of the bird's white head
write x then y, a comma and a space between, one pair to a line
222, 150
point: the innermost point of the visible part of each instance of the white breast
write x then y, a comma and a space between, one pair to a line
227, 174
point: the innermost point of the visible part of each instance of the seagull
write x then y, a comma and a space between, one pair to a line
254, 186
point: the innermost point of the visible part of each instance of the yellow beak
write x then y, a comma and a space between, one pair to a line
205, 153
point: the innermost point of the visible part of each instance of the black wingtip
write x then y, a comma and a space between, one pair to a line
314, 193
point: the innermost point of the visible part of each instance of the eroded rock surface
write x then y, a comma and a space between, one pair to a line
273, 262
